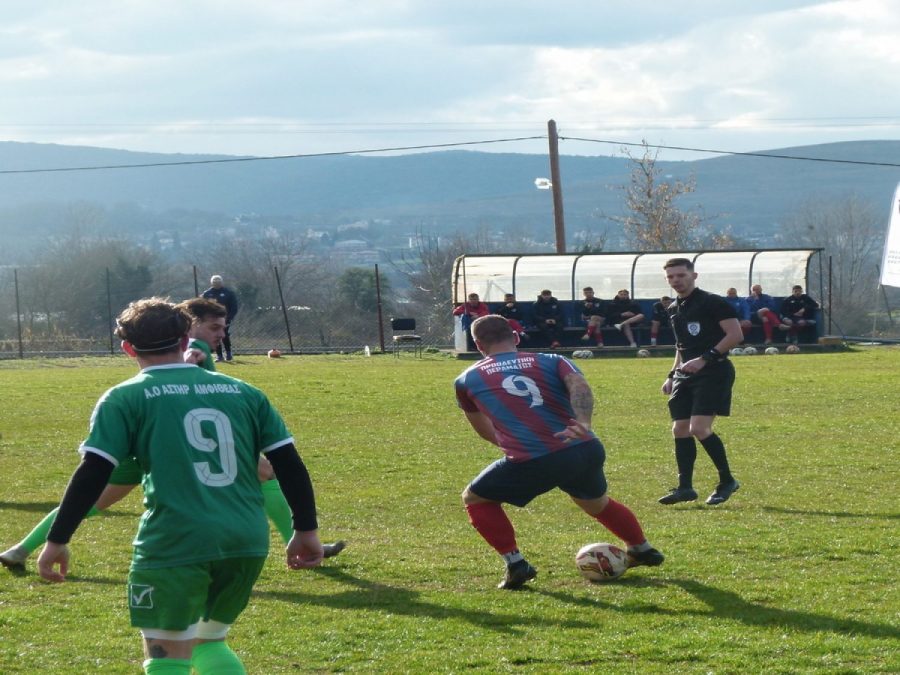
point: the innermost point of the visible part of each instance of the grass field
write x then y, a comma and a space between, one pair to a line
797, 573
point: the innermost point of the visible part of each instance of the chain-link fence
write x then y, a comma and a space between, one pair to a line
42, 314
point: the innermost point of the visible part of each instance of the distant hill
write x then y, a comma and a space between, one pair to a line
442, 190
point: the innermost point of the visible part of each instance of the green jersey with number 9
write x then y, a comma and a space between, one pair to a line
197, 436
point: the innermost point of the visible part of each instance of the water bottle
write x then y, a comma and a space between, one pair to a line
367, 351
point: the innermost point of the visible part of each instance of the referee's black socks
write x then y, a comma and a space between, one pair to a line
685, 455
716, 451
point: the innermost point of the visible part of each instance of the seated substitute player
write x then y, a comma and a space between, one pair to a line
622, 312
700, 382
512, 312
763, 310
537, 408
548, 317
203, 539
741, 308
659, 317
206, 332
592, 313
798, 310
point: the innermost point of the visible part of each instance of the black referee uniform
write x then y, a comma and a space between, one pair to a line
695, 323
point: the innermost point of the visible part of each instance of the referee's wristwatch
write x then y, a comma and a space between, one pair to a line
712, 355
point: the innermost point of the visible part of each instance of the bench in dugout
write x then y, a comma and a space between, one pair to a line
574, 328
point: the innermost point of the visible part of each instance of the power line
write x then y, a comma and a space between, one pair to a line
770, 155
230, 160
434, 146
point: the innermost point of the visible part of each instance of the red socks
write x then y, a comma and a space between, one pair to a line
493, 525
618, 519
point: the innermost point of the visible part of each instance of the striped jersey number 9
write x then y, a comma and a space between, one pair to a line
519, 385
225, 445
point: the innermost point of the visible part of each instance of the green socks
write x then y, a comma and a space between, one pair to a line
38, 535
277, 509
216, 658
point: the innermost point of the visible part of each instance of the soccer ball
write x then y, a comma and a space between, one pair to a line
737, 351
750, 351
792, 349
772, 351
643, 353
601, 562
583, 354
274, 353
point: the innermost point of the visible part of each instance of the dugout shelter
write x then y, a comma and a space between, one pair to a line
492, 276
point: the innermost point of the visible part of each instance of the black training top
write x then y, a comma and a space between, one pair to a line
592, 307
695, 322
514, 312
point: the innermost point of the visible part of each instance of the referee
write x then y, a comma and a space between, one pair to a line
699, 384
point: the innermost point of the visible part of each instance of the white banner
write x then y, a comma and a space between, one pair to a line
890, 264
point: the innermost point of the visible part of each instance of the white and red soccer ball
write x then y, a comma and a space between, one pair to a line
601, 562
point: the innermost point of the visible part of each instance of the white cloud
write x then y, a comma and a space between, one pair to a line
304, 75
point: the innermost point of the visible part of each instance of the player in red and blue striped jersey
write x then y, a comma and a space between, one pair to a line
537, 408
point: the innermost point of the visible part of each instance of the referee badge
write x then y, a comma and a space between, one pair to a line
694, 328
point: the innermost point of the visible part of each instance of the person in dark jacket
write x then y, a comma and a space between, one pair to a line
514, 314
622, 312
593, 315
798, 310
548, 318
228, 299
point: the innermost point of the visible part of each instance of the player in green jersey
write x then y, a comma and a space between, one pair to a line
207, 329
203, 538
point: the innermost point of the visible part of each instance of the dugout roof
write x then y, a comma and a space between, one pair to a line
491, 276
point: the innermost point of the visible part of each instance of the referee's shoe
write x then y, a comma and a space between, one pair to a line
723, 492
679, 494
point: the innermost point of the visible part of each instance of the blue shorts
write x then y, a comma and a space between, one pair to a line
577, 471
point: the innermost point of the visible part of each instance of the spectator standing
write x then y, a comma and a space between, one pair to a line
741, 308
623, 312
228, 299
763, 310
203, 539
700, 382
593, 314
512, 312
468, 312
660, 316
537, 409
548, 317
798, 310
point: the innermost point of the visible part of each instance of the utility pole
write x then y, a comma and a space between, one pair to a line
556, 185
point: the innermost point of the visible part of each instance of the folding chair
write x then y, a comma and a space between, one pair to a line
404, 336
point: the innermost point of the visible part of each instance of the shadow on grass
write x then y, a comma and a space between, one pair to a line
371, 595
731, 606
832, 514
31, 507
44, 507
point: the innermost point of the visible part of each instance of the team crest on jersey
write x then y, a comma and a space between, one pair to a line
140, 596
694, 328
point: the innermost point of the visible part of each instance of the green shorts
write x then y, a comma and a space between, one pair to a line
128, 472
175, 598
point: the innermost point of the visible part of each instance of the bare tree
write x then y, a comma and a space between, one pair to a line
428, 268
653, 220
851, 230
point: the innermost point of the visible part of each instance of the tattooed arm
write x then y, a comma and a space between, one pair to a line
581, 397
582, 400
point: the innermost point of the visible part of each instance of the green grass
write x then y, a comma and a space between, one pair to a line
797, 573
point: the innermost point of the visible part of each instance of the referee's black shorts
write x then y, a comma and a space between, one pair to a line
705, 393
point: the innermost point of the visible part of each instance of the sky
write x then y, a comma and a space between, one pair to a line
285, 77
